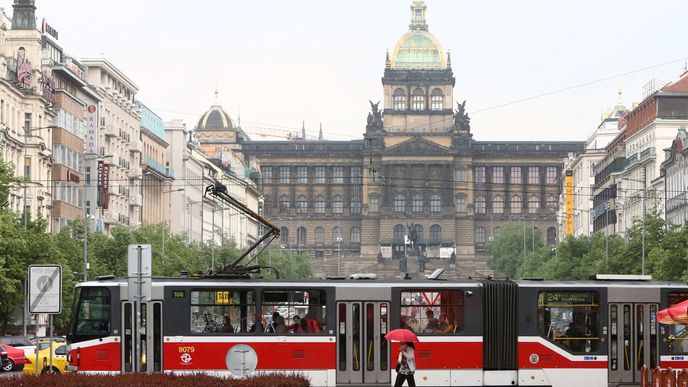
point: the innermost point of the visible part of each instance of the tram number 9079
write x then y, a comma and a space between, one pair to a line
187, 349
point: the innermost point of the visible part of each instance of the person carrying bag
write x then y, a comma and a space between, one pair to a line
406, 365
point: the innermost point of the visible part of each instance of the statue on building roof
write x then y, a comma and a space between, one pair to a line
462, 122
375, 116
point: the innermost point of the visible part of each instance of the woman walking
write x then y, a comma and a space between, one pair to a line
406, 365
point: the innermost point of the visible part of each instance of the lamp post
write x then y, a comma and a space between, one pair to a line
164, 224
191, 204
642, 199
28, 130
212, 246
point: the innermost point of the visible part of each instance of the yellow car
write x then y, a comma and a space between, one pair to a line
60, 362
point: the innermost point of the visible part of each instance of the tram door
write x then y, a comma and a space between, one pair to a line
632, 340
362, 350
142, 348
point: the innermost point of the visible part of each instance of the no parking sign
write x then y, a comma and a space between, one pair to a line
45, 289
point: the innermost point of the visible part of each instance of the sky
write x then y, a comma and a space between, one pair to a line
277, 63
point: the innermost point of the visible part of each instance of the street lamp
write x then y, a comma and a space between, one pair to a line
642, 198
28, 130
190, 205
212, 246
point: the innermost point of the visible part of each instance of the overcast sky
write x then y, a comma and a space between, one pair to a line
280, 62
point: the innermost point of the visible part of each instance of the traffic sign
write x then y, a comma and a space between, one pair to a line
45, 289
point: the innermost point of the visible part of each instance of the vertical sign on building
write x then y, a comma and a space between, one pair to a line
568, 202
91, 130
103, 185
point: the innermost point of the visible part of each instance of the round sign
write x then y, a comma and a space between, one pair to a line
534, 358
241, 360
45, 283
91, 109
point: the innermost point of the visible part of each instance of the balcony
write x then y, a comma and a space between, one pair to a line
135, 200
167, 171
110, 131
110, 216
134, 172
134, 145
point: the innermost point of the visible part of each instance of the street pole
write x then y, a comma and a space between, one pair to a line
524, 238
212, 244
85, 244
26, 146
163, 242
643, 206
606, 236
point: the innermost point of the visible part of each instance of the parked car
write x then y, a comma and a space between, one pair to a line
19, 342
60, 362
44, 341
4, 358
15, 358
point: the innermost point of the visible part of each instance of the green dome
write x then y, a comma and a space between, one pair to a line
419, 50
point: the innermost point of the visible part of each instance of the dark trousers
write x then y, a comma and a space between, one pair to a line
401, 378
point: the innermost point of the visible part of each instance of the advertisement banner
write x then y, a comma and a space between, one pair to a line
103, 185
568, 202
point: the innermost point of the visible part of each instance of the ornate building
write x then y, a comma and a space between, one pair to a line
351, 203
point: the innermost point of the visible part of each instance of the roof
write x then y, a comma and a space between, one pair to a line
418, 50
215, 119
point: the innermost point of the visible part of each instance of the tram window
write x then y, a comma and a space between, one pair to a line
677, 333
432, 312
222, 311
294, 311
93, 316
570, 319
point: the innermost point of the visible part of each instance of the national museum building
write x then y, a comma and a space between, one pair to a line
417, 167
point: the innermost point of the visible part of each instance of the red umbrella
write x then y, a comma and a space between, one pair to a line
675, 314
401, 335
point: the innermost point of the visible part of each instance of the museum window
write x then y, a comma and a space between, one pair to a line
284, 237
337, 235
301, 205
551, 203
435, 203
399, 203
284, 203
435, 233
418, 99
320, 177
437, 100
301, 237
319, 235
480, 205
399, 99
533, 204
516, 204
551, 175
355, 235
533, 175
419, 233
337, 205
461, 175
302, 173
374, 204
479, 235
417, 203
399, 233
498, 175
355, 205
461, 203
570, 320
432, 311
319, 204
516, 175
267, 175
338, 175
479, 174
356, 175
284, 175
498, 205
551, 236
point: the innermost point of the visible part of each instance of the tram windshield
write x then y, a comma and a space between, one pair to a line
91, 314
678, 333
570, 319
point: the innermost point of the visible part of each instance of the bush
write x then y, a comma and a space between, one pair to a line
141, 380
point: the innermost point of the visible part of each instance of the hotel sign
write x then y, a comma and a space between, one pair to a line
91, 129
48, 29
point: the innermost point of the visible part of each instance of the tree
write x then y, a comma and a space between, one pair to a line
506, 249
288, 264
8, 181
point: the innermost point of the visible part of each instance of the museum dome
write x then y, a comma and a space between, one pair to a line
418, 49
215, 119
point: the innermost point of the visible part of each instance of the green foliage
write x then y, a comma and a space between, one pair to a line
289, 265
666, 253
7, 181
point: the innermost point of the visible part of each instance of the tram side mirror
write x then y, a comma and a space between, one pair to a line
469, 293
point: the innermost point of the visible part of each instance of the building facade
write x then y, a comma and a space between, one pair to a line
26, 101
675, 172
416, 167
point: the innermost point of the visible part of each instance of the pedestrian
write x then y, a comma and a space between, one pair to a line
406, 365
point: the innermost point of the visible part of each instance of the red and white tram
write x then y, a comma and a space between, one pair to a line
472, 333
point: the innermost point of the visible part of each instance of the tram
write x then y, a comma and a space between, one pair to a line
471, 332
